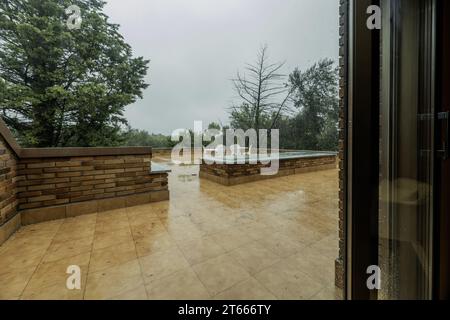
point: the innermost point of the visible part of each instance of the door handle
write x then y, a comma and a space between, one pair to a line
444, 118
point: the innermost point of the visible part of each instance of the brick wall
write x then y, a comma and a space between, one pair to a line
57, 181
9, 217
8, 180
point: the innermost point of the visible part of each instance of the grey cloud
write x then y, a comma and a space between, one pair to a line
196, 47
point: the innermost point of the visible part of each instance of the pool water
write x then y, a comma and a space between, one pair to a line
232, 159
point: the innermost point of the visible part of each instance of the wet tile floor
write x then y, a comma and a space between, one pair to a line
272, 239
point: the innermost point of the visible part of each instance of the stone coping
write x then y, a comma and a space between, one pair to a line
28, 153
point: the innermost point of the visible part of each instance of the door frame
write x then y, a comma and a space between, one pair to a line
361, 120
361, 114
442, 223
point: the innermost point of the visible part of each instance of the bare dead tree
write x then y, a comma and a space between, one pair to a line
263, 90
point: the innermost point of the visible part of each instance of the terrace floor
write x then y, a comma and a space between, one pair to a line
272, 239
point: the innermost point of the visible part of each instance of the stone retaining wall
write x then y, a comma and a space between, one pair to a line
38, 185
56, 181
69, 181
233, 174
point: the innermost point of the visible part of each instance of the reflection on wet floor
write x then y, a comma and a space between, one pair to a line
271, 239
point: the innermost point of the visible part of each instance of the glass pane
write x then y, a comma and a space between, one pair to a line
406, 150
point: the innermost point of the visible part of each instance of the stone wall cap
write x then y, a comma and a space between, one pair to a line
82, 152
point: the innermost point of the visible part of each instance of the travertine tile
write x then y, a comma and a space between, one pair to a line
107, 239
70, 248
328, 247
138, 293
14, 282
250, 289
112, 215
288, 282
328, 293
281, 245
316, 265
54, 292
114, 281
144, 208
161, 264
148, 228
12, 259
231, 239
200, 250
254, 257
73, 233
256, 230
219, 274
143, 219
267, 239
51, 274
78, 221
106, 225
26, 243
112, 256
184, 231
182, 285
153, 242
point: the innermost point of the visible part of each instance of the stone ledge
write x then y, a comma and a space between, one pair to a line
33, 216
32, 153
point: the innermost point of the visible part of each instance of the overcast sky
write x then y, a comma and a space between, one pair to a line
197, 46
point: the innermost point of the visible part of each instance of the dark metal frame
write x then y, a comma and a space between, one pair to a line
441, 279
362, 152
362, 134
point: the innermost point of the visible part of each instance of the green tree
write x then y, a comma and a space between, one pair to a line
316, 97
214, 125
63, 87
135, 137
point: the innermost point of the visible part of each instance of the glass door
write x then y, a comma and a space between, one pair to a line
407, 152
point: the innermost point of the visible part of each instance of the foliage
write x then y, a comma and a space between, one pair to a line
316, 97
141, 138
312, 122
214, 125
65, 87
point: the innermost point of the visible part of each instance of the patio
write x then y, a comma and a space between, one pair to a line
271, 239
